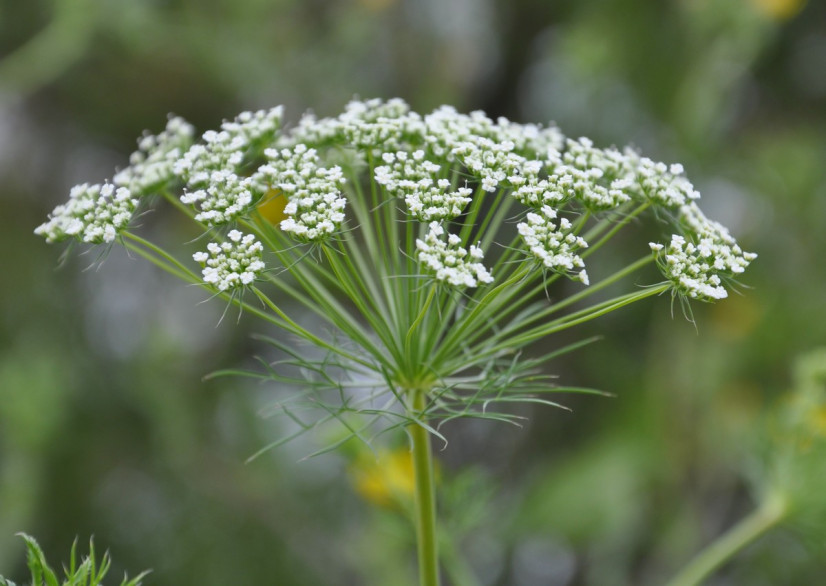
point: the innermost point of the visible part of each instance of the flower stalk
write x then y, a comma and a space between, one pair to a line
772, 512
425, 495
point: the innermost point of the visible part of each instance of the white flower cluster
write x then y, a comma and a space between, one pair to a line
372, 125
697, 265
493, 162
224, 198
534, 192
375, 123
690, 267
94, 214
445, 128
418, 159
212, 169
599, 178
316, 216
449, 262
232, 264
428, 198
500, 154
315, 208
151, 166
662, 184
554, 245
528, 139
255, 126
390, 126
220, 151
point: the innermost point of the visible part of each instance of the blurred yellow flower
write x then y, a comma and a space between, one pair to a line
817, 421
386, 480
272, 207
779, 9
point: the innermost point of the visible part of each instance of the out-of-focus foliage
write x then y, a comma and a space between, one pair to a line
795, 449
107, 429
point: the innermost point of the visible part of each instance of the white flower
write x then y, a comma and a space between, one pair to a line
492, 162
596, 177
696, 268
221, 151
376, 124
255, 126
226, 150
372, 126
445, 128
94, 214
226, 197
152, 164
449, 262
232, 264
553, 244
412, 177
315, 207
662, 184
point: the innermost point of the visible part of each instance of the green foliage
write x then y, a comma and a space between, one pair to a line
90, 571
796, 448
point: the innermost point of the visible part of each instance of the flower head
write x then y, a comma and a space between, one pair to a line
447, 197
152, 165
94, 214
697, 268
552, 242
232, 264
414, 178
315, 206
449, 262
224, 199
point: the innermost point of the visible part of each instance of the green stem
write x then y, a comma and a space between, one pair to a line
592, 248
425, 496
768, 515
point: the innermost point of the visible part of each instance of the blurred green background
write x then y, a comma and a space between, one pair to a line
106, 428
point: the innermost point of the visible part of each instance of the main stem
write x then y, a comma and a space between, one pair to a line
425, 496
769, 514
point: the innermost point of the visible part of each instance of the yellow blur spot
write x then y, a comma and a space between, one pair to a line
387, 480
735, 321
817, 421
779, 9
272, 207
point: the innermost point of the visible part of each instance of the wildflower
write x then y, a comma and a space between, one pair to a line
225, 198
315, 207
662, 184
220, 151
385, 479
94, 214
697, 269
554, 244
232, 264
414, 178
397, 355
492, 162
255, 127
152, 165
449, 262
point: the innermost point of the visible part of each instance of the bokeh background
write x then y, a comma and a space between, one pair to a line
107, 429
